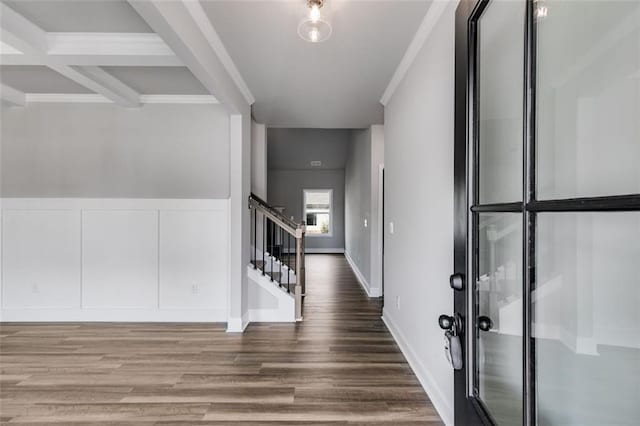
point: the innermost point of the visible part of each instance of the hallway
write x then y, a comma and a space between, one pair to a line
339, 366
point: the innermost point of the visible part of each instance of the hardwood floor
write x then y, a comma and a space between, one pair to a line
339, 366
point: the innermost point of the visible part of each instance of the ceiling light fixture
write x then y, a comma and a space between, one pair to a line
314, 26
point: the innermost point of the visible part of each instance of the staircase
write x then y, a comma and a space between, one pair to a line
277, 250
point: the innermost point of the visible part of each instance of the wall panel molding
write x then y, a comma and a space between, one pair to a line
114, 260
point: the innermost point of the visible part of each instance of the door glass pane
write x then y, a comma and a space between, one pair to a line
499, 298
501, 67
588, 96
586, 311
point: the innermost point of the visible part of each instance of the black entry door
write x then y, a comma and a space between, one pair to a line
547, 204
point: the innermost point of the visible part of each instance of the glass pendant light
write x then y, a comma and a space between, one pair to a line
314, 26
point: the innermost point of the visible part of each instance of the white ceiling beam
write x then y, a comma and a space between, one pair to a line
126, 94
80, 48
175, 22
28, 38
90, 98
98, 49
11, 96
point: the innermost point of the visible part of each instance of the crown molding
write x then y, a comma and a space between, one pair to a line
430, 20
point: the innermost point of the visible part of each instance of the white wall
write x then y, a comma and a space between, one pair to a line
104, 150
419, 143
114, 259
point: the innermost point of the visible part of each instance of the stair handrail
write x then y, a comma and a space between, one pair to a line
289, 225
297, 230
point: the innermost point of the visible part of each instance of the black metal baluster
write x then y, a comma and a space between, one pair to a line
280, 256
264, 230
295, 261
272, 231
288, 260
255, 238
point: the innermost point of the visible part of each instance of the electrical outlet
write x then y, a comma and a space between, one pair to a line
391, 227
398, 302
366, 223
195, 289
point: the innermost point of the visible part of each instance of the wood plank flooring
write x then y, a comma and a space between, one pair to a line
339, 366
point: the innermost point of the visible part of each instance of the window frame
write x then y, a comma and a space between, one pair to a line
304, 210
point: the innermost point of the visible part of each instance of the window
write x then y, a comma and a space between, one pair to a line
317, 211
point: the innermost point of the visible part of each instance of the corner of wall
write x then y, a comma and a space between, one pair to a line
371, 292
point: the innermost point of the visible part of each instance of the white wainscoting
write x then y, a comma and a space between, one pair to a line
114, 260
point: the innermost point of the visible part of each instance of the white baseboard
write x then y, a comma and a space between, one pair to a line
371, 292
237, 324
311, 250
437, 397
112, 315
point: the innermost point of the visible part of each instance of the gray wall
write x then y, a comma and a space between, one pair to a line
106, 151
290, 152
285, 189
418, 140
296, 148
358, 201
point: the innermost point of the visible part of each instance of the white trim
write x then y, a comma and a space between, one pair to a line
95, 98
204, 23
113, 204
371, 292
312, 250
115, 44
5, 49
429, 22
11, 96
442, 404
76, 98
178, 99
236, 325
112, 315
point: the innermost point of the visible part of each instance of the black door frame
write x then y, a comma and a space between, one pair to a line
468, 409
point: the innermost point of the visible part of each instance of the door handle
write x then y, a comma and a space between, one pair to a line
451, 323
446, 322
456, 281
452, 326
485, 323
